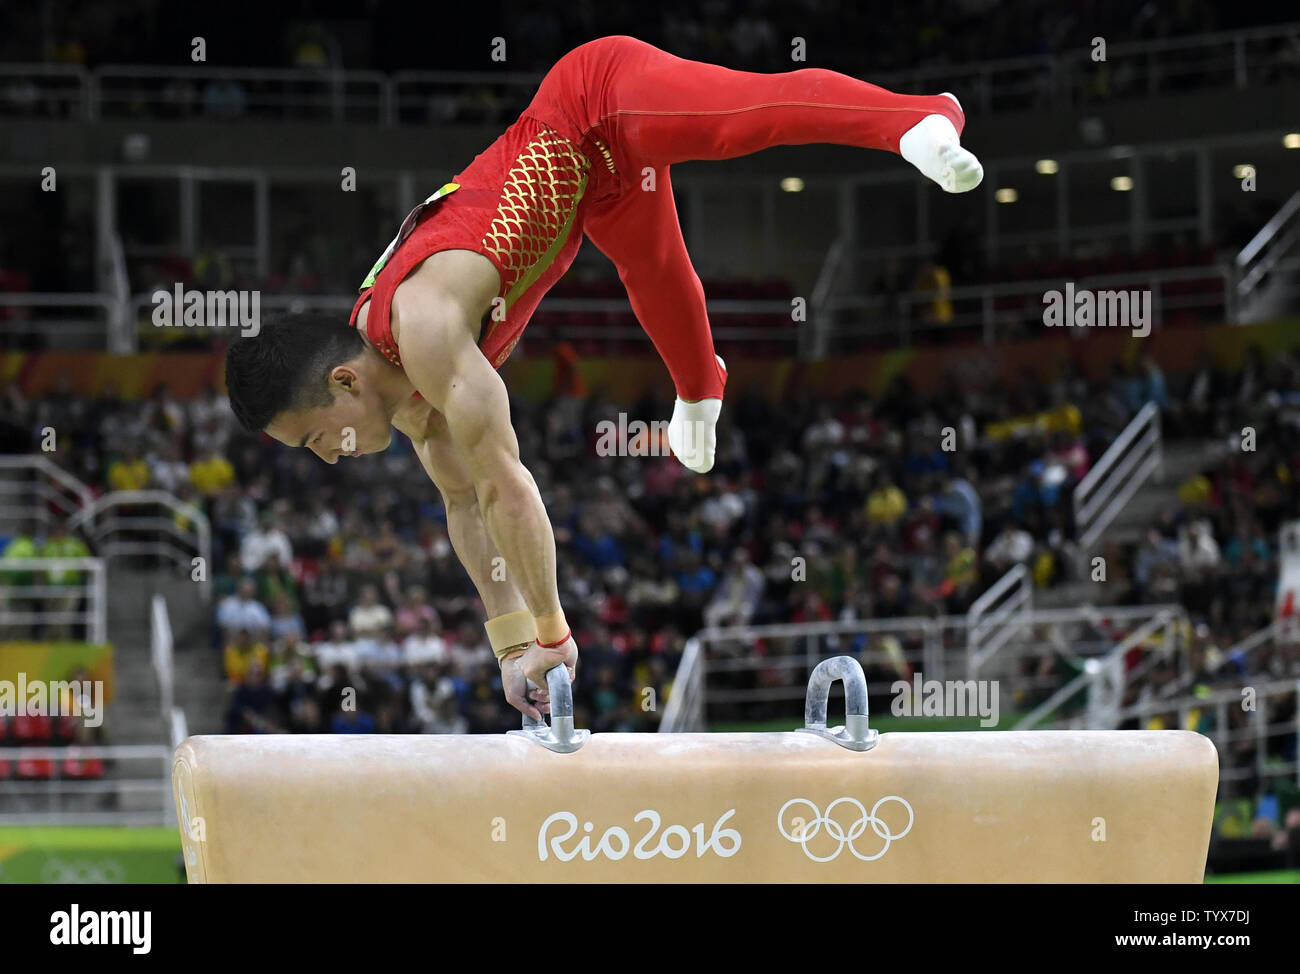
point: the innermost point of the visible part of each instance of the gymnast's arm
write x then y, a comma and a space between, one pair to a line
441, 359
474, 547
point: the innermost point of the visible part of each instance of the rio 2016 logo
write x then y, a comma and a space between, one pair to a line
615, 843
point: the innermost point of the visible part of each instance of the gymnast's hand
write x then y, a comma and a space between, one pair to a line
518, 667
533, 663
515, 685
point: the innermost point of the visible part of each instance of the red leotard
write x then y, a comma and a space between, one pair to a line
576, 161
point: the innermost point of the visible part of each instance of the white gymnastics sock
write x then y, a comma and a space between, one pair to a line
933, 146
692, 432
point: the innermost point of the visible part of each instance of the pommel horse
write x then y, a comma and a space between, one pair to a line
824, 805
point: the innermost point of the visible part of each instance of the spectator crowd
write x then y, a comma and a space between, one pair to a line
343, 578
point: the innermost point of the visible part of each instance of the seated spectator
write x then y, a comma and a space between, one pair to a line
210, 472
379, 652
737, 596
471, 648
434, 702
61, 544
425, 645
369, 617
252, 707
293, 667
242, 653
416, 610
285, 620
324, 596
887, 504
695, 581
262, 542
1013, 546
243, 611
339, 649
1197, 548
168, 471
275, 580
130, 471
961, 502
352, 720
962, 572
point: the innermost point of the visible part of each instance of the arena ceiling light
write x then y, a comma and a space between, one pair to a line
1006, 194
792, 184
1242, 170
1046, 167
1121, 184
1291, 140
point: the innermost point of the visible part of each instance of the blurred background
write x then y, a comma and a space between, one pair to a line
912, 468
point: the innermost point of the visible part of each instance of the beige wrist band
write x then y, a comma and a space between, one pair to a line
510, 631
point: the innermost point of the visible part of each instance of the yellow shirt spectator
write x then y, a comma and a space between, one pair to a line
1195, 491
128, 474
885, 505
240, 655
961, 568
211, 474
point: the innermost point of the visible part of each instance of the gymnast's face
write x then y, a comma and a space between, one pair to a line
356, 422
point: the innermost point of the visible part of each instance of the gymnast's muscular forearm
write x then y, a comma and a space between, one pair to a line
518, 526
483, 561
454, 377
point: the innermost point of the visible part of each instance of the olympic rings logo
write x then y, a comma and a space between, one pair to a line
808, 830
80, 871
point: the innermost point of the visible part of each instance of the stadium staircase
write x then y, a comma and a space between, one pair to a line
1179, 461
136, 715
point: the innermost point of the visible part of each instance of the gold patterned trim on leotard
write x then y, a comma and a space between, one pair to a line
536, 212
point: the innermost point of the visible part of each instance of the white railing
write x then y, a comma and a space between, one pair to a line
1095, 670
438, 97
161, 649
782, 329
1117, 476
115, 281
998, 616
34, 490
118, 531
143, 798
820, 307
934, 646
1262, 265
300, 94
81, 316
1268, 697
25, 605
1237, 59
684, 712
984, 306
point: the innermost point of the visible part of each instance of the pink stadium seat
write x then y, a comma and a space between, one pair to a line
33, 731
81, 769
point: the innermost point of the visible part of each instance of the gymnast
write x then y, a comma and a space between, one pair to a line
446, 303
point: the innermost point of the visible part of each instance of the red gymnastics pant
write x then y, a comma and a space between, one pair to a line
653, 109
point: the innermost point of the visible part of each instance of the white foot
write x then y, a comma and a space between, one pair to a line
933, 146
692, 433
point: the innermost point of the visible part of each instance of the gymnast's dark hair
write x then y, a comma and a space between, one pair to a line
286, 366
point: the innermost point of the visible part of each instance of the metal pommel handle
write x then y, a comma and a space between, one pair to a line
560, 735
855, 734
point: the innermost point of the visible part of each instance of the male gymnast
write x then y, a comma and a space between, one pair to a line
445, 305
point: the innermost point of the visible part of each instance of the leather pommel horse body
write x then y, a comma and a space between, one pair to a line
816, 805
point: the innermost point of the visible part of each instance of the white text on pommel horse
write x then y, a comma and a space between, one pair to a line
614, 843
